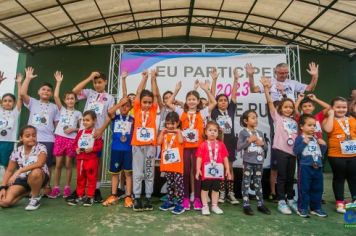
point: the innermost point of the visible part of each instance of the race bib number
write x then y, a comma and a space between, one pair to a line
312, 149
171, 156
213, 170
225, 123
190, 135
348, 147
86, 141
122, 127
145, 134
252, 148
97, 107
40, 119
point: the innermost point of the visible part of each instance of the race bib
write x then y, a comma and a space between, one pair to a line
225, 123
312, 149
145, 134
190, 135
348, 147
213, 170
97, 107
122, 127
252, 148
318, 127
40, 119
171, 156
4, 124
86, 141
29, 161
291, 127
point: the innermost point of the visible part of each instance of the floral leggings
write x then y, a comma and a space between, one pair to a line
252, 172
175, 186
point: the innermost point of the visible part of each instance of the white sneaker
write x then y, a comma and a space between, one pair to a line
340, 208
231, 198
192, 197
34, 204
284, 208
205, 211
222, 196
293, 205
217, 210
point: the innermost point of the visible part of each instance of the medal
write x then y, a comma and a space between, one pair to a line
315, 165
166, 157
345, 128
65, 127
43, 120
290, 141
168, 146
259, 158
3, 132
44, 112
123, 138
191, 135
143, 131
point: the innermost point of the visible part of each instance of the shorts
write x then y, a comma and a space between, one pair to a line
120, 160
49, 147
23, 182
273, 164
211, 184
5, 153
63, 147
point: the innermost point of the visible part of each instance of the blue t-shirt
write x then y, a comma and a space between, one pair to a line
122, 124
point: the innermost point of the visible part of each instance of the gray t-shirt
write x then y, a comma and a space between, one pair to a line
290, 88
251, 153
8, 124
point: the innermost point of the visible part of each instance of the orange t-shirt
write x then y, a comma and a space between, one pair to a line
337, 135
151, 123
176, 166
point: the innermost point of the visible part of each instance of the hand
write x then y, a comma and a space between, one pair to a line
58, 76
204, 85
266, 82
145, 74
313, 69
2, 194
29, 73
98, 134
77, 151
2, 78
69, 130
164, 131
301, 96
236, 74
228, 175
259, 142
280, 87
214, 74
124, 100
249, 69
306, 139
312, 97
88, 150
196, 84
178, 86
94, 75
13, 177
321, 141
252, 139
18, 78
124, 74
198, 174
153, 73
331, 112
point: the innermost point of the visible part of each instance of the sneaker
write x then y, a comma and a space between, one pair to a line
222, 196
303, 213
264, 210
111, 200
340, 208
293, 205
46, 191
178, 209
34, 204
164, 198
205, 211
197, 204
320, 213
74, 201
128, 202
284, 208
56, 192
248, 211
186, 204
273, 198
121, 193
73, 196
97, 196
88, 202
137, 204
147, 206
66, 191
167, 206
217, 210
231, 198
192, 197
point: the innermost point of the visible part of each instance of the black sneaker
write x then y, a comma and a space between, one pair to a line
248, 211
74, 201
88, 202
97, 197
137, 204
72, 197
273, 198
264, 210
147, 206
121, 193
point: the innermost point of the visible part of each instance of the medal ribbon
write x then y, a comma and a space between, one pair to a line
346, 128
191, 120
145, 115
122, 121
212, 157
317, 153
167, 145
286, 128
259, 148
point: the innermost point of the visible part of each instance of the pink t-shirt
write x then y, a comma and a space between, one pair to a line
284, 128
203, 152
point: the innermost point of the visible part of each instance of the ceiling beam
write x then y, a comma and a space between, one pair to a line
218, 15
247, 15
103, 18
190, 15
134, 20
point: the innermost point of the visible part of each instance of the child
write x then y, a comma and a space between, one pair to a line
43, 115
212, 158
99, 101
341, 130
286, 130
171, 140
309, 151
192, 118
121, 151
224, 114
65, 133
252, 143
9, 113
26, 173
87, 148
143, 141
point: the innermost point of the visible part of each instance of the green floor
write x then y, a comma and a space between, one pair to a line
56, 218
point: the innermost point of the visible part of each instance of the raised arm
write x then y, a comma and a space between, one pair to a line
267, 86
170, 102
113, 109
297, 103
214, 76
211, 98
123, 83
25, 84
250, 71
18, 82
2, 77
155, 90
59, 78
314, 72
328, 122
323, 104
79, 87
235, 86
142, 84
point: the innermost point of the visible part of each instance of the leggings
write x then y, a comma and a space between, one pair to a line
343, 169
254, 172
285, 177
175, 186
189, 162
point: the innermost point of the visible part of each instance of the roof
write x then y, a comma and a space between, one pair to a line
29, 25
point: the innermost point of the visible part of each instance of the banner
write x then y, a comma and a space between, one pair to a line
190, 66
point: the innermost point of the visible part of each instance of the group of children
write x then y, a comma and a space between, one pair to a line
197, 144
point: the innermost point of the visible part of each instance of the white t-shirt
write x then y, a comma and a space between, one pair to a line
290, 88
8, 124
42, 116
68, 119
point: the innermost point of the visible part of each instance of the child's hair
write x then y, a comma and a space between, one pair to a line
90, 113
280, 105
45, 84
173, 117
9, 95
101, 76
146, 93
245, 117
304, 101
221, 95
131, 94
22, 131
167, 92
220, 132
195, 94
338, 99
303, 119
70, 93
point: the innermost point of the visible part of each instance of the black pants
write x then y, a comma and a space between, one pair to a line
343, 169
285, 178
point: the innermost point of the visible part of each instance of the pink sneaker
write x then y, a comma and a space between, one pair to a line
197, 204
66, 192
56, 192
186, 204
